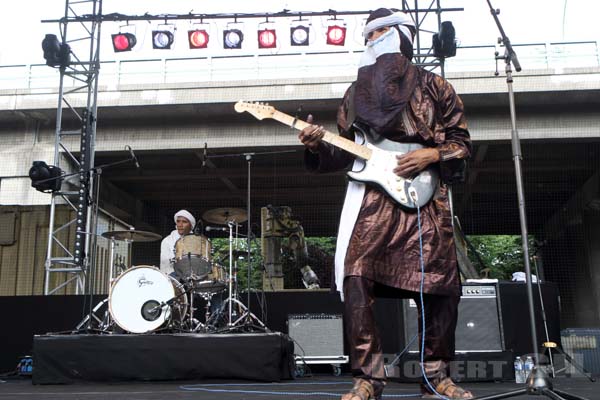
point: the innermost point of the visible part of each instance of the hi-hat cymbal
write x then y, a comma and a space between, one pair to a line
222, 216
132, 236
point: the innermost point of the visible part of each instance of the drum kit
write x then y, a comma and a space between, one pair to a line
143, 299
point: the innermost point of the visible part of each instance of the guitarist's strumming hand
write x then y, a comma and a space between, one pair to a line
311, 135
412, 163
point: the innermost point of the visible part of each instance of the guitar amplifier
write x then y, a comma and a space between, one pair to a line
317, 335
479, 326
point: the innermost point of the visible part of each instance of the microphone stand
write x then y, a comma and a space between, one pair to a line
248, 319
538, 382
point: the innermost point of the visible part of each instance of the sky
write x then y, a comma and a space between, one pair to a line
524, 21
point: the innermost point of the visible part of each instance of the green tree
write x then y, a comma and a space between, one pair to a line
220, 248
501, 254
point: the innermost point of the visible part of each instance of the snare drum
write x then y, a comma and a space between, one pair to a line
214, 282
137, 300
192, 256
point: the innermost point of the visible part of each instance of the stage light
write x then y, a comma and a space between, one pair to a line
232, 39
45, 178
267, 39
198, 38
299, 35
123, 41
444, 42
162, 39
336, 35
55, 53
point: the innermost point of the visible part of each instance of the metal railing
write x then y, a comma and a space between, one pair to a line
291, 66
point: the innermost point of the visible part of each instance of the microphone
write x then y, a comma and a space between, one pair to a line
214, 228
133, 157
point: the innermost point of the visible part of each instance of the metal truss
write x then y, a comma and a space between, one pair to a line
79, 114
425, 18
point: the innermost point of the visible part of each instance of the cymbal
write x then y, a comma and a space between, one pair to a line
222, 216
132, 236
236, 253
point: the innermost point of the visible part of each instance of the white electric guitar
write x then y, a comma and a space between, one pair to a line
379, 159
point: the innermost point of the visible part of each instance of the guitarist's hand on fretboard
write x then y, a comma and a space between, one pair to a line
412, 163
311, 135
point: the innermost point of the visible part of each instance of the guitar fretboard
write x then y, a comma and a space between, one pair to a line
354, 148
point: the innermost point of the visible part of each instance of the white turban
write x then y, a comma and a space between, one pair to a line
187, 215
399, 18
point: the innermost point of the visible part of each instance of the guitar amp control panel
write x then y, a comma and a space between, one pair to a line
479, 290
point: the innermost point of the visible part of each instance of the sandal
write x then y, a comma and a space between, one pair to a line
448, 389
362, 390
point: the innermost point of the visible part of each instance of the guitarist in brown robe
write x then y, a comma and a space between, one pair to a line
403, 103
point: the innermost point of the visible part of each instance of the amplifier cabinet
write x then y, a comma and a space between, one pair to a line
317, 334
479, 326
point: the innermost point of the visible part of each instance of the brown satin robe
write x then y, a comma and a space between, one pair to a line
385, 242
384, 247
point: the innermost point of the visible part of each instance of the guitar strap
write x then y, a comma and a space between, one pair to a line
351, 113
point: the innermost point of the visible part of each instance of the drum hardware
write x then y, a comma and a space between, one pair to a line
152, 309
96, 320
226, 215
128, 236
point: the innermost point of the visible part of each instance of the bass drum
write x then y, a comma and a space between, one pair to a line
137, 300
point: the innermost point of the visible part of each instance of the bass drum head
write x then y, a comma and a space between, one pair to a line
135, 299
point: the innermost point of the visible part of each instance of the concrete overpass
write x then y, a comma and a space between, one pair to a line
169, 123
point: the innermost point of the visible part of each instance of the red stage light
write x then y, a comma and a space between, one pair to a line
267, 39
336, 35
198, 39
123, 41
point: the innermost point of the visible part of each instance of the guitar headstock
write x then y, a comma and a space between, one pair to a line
259, 110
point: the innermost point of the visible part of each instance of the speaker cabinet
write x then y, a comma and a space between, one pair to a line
317, 334
479, 326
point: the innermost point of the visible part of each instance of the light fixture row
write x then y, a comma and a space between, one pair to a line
232, 38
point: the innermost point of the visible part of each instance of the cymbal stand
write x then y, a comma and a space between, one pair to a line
233, 288
111, 271
248, 319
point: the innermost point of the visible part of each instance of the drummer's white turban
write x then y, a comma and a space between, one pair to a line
187, 215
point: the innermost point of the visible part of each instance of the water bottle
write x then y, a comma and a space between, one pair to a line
519, 370
528, 366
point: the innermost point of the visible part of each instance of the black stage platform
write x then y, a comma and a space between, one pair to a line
149, 357
317, 387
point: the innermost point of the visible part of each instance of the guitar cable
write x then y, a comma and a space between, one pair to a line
413, 194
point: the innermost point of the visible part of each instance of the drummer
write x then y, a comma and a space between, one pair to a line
184, 224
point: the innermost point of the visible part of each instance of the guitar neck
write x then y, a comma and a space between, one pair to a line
336, 140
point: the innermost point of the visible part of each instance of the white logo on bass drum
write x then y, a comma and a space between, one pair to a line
142, 281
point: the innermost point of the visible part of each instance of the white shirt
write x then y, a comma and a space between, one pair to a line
167, 252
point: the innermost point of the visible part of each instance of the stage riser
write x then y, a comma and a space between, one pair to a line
104, 358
